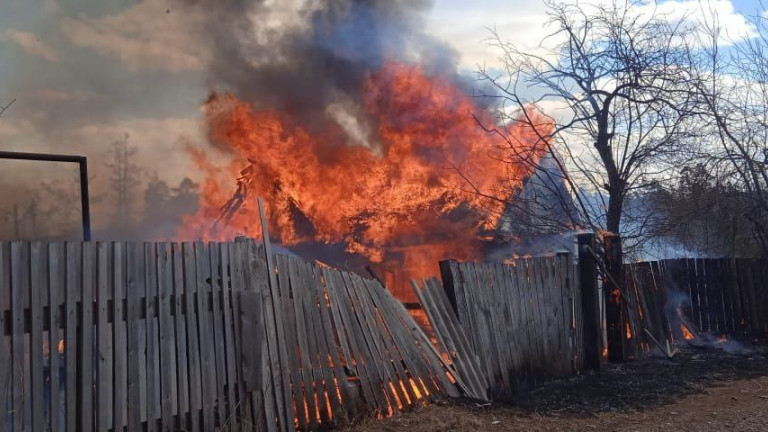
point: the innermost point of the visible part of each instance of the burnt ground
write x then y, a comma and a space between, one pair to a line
700, 390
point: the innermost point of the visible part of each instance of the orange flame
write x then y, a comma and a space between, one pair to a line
426, 189
687, 335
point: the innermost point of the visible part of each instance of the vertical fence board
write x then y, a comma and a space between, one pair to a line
55, 288
104, 339
193, 318
177, 306
36, 287
134, 291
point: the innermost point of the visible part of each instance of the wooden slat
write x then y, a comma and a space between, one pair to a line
313, 301
19, 271
55, 288
73, 259
167, 357
120, 408
6, 363
205, 323
36, 289
290, 340
105, 368
229, 349
373, 351
355, 361
134, 292
192, 320
270, 357
329, 350
153, 336
295, 290
241, 409
182, 365
391, 355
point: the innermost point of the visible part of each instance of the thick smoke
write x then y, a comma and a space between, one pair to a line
310, 58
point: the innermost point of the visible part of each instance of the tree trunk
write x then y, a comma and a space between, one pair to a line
613, 257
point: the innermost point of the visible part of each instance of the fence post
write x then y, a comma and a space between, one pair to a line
590, 302
449, 280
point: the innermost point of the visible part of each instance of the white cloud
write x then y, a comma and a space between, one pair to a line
464, 25
147, 35
31, 44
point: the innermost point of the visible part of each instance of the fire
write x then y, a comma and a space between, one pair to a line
429, 186
687, 335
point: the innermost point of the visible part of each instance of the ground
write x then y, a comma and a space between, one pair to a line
702, 389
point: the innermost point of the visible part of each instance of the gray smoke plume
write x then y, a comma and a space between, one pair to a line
309, 58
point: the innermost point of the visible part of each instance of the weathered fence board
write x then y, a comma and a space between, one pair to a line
154, 336
518, 318
680, 298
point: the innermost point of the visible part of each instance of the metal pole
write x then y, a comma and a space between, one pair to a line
85, 199
82, 162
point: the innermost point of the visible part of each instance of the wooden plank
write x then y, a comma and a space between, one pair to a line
523, 322
182, 365
153, 338
429, 303
390, 354
104, 391
19, 286
218, 333
501, 318
433, 360
229, 349
404, 341
481, 344
363, 361
473, 372
120, 408
374, 352
322, 370
237, 277
36, 289
167, 344
516, 330
73, 260
6, 362
134, 292
341, 399
356, 361
55, 287
192, 317
289, 327
295, 290
287, 418
205, 323
272, 383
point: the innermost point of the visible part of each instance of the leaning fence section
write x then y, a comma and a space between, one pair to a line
201, 336
678, 299
522, 318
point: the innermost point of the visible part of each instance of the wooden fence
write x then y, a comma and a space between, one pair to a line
523, 320
718, 296
194, 336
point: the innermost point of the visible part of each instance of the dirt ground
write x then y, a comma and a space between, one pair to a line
701, 390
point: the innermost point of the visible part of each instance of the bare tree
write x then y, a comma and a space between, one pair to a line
615, 81
124, 179
6, 106
733, 91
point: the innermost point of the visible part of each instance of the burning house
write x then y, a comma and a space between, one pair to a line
364, 144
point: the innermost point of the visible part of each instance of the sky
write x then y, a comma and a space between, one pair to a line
86, 72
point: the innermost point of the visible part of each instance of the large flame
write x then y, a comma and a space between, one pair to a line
428, 186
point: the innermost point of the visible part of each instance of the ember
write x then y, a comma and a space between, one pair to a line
428, 184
